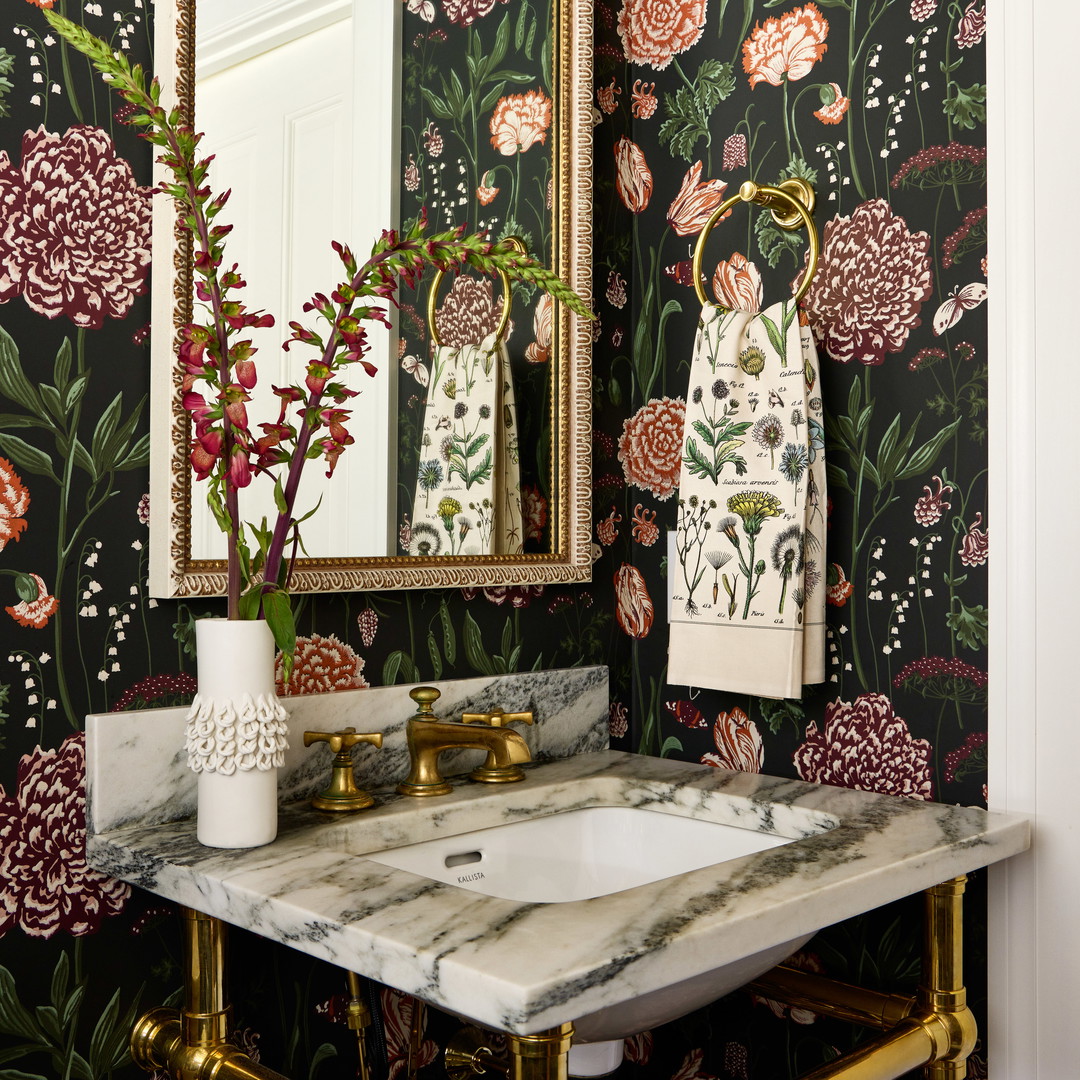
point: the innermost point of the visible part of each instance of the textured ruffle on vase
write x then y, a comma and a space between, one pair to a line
229, 734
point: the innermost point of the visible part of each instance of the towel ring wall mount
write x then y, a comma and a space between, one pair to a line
504, 320
790, 204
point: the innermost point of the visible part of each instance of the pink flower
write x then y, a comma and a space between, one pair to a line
14, 502
520, 121
645, 530
469, 312
930, 507
466, 12
643, 100
617, 723
321, 664
539, 351
520, 596
872, 280
972, 26
833, 105
921, 10
633, 178
866, 746
975, 547
534, 512
837, 586
606, 96
785, 48
76, 233
486, 192
607, 530
616, 289
695, 203
654, 31
633, 605
738, 744
412, 175
736, 283
47, 884
734, 152
36, 612
650, 447
368, 621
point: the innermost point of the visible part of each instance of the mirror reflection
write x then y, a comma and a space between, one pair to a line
471, 457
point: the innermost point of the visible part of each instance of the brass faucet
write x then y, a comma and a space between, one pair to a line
428, 738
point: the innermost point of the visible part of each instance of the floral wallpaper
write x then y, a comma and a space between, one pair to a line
880, 104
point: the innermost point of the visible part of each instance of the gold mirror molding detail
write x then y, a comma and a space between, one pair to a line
173, 573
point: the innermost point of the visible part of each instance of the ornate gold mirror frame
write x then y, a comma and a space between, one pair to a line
174, 573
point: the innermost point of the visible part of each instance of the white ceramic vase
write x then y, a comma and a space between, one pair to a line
236, 733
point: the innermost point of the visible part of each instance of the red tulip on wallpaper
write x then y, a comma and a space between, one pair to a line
736, 283
738, 744
633, 605
695, 203
633, 180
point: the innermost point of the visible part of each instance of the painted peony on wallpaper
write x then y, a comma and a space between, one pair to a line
881, 106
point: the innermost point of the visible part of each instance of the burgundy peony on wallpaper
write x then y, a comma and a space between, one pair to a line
881, 107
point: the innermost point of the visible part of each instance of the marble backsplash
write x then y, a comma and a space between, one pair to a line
136, 766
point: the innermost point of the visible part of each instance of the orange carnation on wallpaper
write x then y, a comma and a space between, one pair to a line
520, 121
653, 31
785, 48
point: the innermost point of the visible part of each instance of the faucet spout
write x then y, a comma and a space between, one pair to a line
427, 739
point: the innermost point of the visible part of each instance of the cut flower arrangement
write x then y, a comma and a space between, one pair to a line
217, 361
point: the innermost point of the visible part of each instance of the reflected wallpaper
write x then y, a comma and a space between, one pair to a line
880, 105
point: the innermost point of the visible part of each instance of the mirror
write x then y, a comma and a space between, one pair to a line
349, 199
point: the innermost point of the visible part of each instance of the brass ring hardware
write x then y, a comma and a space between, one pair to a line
791, 204
433, 296
342, 793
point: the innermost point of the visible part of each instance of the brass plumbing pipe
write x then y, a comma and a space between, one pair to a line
542, 1056
193, 1044
938, 1031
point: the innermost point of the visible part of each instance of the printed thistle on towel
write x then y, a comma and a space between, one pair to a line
747, 609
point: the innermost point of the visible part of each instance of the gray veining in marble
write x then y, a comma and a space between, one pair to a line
137, 768
527, 966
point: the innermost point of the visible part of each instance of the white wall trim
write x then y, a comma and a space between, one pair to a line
1034, 951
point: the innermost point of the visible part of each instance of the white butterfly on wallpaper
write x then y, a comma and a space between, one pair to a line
416, 368
956, 303
424, 8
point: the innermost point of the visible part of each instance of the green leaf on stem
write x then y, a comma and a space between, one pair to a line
277, 609
26, 457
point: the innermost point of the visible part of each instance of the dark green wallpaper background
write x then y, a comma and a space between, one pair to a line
881, 105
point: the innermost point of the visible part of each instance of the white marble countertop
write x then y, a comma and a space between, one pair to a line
526, 967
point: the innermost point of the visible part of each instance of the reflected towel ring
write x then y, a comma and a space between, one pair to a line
519, 246
790, 204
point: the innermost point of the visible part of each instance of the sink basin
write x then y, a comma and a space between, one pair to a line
578, 854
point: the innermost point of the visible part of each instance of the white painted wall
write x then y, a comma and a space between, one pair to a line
1034, 944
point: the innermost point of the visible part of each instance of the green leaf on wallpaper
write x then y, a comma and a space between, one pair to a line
62, 364
492, 96
502, 41
773, 241
836, 476
671, 746
73, 393
14, 385
774, 713
59, 986
797, 168
399, 663
13, 420
26, 457
14, 1017
449, 637
474, 646
690, 107
966, 107
436, 104
7, 67
925, 456
971, 625
433, 653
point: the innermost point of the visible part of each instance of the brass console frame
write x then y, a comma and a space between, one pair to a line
933, 1029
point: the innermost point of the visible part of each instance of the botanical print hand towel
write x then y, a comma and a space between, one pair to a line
468, 497
748, 603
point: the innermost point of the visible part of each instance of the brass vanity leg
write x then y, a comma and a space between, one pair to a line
939, 1033
541, 1056
193, 1044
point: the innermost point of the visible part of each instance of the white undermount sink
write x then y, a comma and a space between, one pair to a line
578, 854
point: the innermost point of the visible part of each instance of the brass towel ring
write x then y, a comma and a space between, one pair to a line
790, 204
519, 246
